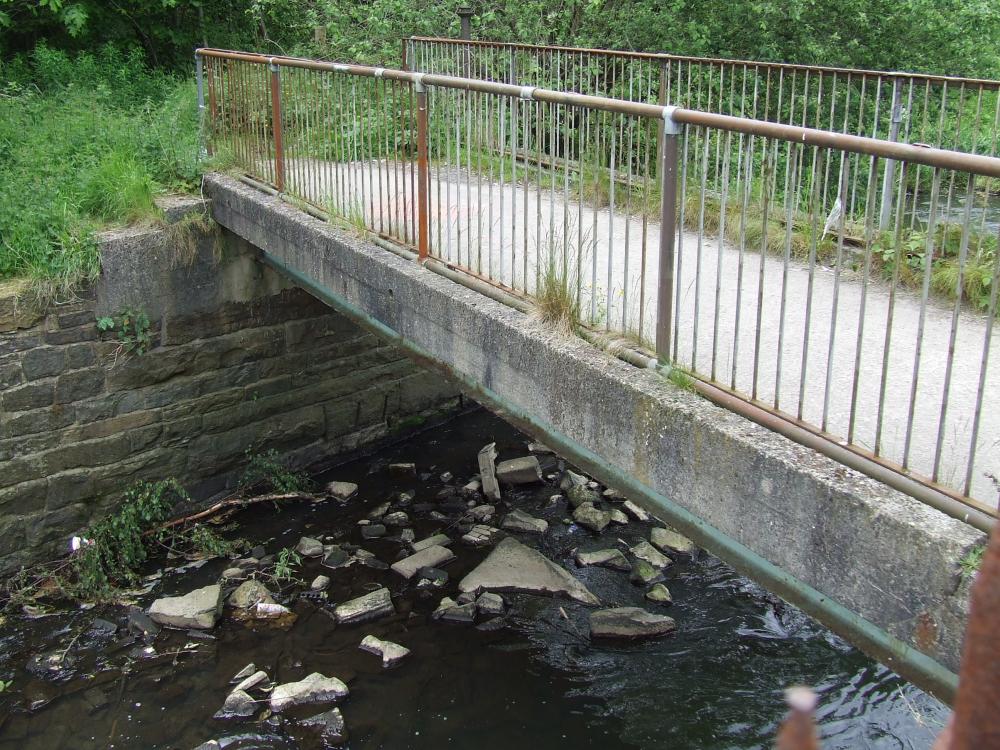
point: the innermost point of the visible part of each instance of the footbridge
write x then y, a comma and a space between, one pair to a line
774, 336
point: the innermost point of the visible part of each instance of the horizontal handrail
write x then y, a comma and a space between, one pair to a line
987, 166
987, 83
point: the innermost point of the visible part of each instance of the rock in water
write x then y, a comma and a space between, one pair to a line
368, 607
668, 540
579, 494
480, 535
403, 470
605, 558
513, 566
571, 479
309, 547
248, 593
487, 471
341, 490
315, 688
590, 517
519, 471
238, 703
319, 583
430, 557
199, 609
490, 604
330, 724
636, 512
518, 520
629, 622
437, 539
391, 653
646, 551
643, 573
659, 593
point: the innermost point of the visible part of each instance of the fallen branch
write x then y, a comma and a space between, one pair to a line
234, 501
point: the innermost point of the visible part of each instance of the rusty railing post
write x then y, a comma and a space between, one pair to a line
423, 171
668, 235
276, 115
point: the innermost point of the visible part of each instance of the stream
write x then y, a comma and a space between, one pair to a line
532, 675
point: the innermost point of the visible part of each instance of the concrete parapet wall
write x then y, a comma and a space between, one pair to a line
241, 360
876, 552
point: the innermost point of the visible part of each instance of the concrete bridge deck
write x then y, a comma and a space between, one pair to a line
877, 566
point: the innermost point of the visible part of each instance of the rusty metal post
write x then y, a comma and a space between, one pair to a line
423, 172
668, 234
276, 116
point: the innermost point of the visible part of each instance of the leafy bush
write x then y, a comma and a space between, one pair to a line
269, 469
118, 543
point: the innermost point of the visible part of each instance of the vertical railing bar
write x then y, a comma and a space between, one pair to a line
963, 252
984, 365
890, 309
668, 229
924, 293
863, 305
819, 157
277, 127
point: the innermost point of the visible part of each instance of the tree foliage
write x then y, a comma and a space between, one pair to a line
943, 36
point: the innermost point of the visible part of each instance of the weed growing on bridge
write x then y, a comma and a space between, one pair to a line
131, 327
972, 560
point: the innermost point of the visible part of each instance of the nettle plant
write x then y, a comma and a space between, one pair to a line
131, 327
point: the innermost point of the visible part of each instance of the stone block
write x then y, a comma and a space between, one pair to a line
79, 385
29, 396
43, 362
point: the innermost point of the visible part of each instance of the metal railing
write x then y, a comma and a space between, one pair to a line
700, 235
942, 111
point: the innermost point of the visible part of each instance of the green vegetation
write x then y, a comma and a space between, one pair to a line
116, 546
972, 560
85, 141
285, 564
268, 469
132, 329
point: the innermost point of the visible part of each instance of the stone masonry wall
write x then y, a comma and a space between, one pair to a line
240, 360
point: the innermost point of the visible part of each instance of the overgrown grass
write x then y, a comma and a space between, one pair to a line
85, 142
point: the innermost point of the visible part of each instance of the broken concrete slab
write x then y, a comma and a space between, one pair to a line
198, 609
591, 517
524, 470
375, 604
668, 540
480, 535
629, 622
646, 551
513, 566
442, 540
430, 557
391, 653
487, 471
636, 512
518, 520
604, 558
316, 688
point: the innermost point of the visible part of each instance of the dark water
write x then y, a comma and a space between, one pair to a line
538, 682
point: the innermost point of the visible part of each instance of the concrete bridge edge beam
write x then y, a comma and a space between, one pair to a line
282, 233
